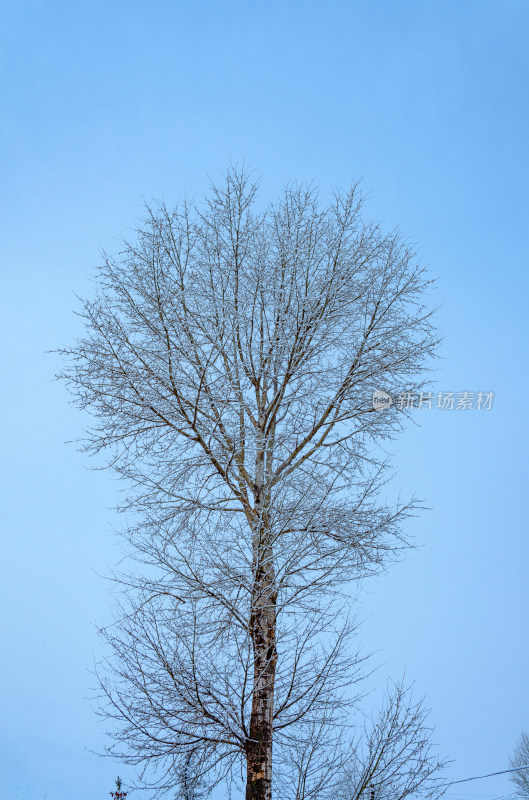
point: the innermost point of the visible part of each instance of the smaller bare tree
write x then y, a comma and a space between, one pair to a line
392, 757
191, 784
520, 758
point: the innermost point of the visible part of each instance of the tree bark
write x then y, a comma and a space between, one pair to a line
263, 633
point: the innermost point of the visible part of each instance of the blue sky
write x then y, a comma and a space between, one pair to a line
104, 104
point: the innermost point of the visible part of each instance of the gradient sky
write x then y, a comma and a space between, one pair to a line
104, 104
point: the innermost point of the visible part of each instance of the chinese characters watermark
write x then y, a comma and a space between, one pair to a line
445, 401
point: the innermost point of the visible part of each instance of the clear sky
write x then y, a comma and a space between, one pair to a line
106, 103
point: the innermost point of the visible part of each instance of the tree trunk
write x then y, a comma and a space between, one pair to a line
263, 632
262, 627
263, 635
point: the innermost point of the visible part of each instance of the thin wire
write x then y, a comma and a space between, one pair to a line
483, 794
509, 796
478, 777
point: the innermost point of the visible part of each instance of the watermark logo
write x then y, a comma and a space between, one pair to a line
381, 400
444, 401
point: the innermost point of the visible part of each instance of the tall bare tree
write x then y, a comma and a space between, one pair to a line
230, 360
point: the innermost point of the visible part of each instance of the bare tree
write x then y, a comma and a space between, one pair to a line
392, 757
230, 360
520, 758
190, 785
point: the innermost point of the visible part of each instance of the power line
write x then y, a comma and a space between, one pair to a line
510, 796
489, 775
